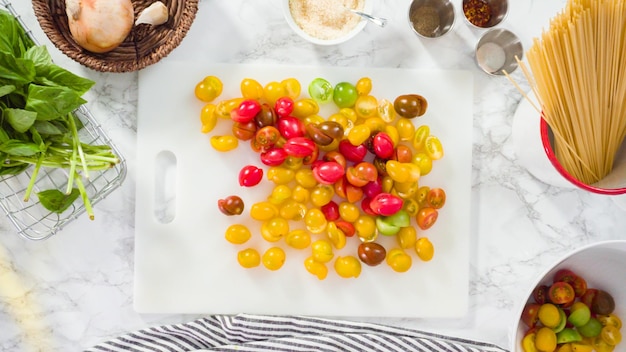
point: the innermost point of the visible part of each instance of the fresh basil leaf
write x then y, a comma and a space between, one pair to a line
16, 69
49, 128
6, 89
36, 137
39, 56
57, 201
21, 120
14, 39
52, 102
13, 170
19, 148
53, 75
3, 135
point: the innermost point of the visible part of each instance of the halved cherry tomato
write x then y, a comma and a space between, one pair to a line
561, 293
426, 217
267, 136
436, 198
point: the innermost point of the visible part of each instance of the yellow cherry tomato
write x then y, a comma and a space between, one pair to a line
359, 134
386, 110
407, 236
208, 89
348, 267
224, 143
365, 227
315, 220
304, 108
322, 251
305, 178
292, 87
292, 210
298, 239
406, 129
366, 106
280, 175
237, 234
316, 268
208, 118
280, 193
335, 235
274, 258
274, 90
424, 249
545, 339
251, 89
224, 107
274, 229
398, 260
249, 258
349, 212
363, 86
263, 211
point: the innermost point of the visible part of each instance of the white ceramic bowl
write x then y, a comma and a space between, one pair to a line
367, 8
600, 264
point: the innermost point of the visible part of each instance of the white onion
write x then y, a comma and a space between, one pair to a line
99, 25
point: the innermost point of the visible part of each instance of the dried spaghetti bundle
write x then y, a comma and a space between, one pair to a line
578, 71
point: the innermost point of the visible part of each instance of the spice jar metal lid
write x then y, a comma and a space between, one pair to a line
431, 18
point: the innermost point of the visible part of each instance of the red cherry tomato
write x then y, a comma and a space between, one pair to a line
328, 172
561, 293
267, 136
578, 283
354, 153
386, 204
436, 198
273, 156
426, 217
246, 111
250, 175
330, 210
540, 294
382, 145
346, 227
335, 156
366, 206
290, 127
300, 147
284, 106
372, 188
530, 314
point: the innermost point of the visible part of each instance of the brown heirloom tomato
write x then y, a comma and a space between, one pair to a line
410, 105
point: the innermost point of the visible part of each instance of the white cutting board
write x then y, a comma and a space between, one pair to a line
186, 265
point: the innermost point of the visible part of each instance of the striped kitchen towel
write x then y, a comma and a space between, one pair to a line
245, 332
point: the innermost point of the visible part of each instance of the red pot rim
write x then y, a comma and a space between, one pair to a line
547, 147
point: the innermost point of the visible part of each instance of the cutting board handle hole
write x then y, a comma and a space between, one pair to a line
165, 187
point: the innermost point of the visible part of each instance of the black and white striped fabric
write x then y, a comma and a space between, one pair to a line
253, 333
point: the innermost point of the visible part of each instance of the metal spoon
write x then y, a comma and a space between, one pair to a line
379, 21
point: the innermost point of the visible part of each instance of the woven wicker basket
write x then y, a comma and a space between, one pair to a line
145, 45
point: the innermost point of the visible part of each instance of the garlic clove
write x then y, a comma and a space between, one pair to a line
154, 15
99, 26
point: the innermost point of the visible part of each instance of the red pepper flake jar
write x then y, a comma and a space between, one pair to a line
485, 13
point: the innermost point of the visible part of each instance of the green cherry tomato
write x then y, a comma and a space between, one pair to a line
344, 95
321, 90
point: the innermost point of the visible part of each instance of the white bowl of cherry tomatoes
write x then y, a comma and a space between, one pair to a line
578, 305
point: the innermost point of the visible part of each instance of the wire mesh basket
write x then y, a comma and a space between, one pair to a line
31, 219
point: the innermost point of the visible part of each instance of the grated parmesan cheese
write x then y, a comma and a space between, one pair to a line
325, 19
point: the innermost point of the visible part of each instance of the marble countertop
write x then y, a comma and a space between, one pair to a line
75, 289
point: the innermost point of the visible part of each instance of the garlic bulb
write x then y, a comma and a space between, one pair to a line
99, 25
154, 15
